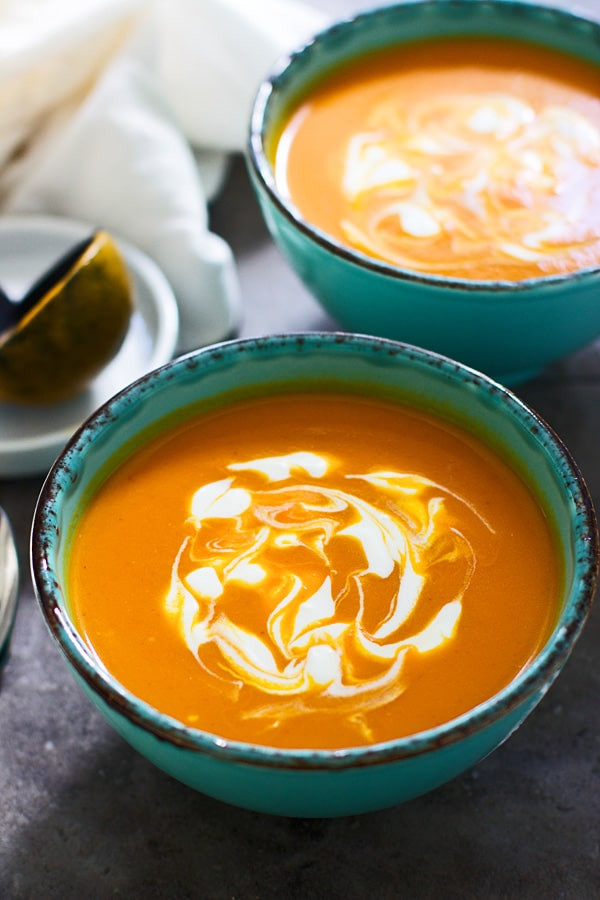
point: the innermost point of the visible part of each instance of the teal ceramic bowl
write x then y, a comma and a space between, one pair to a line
300, 782
510, 330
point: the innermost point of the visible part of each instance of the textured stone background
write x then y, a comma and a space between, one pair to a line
84, 816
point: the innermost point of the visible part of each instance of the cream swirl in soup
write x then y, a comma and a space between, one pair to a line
277, 533
473, 158
472, 171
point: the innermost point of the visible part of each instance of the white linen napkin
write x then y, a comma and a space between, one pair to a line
122, 113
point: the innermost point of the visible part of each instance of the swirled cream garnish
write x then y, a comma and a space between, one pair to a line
275, 538
441, 185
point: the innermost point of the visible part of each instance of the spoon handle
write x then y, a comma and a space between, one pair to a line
8, 311
12, 311
53, 275
9, 582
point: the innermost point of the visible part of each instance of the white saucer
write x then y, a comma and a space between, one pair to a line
32, 436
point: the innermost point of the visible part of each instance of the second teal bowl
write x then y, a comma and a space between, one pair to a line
509, 330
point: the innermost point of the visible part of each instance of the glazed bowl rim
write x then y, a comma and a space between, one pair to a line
258, 163
536, 676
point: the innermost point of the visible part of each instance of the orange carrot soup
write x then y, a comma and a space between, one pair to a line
473, 158
314, 570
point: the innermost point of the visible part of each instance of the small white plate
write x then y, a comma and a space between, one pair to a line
32, 436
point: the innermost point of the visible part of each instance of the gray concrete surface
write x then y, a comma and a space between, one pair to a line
84, 816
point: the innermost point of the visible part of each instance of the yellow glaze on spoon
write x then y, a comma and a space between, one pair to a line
76, 324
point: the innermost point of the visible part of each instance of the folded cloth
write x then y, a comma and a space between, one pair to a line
122, 114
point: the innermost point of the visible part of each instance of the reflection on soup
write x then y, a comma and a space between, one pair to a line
474, 158
314, 571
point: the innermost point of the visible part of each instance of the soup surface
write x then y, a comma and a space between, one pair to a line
314, 570
474, 158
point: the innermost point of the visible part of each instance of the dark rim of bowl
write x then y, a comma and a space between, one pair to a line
536, 676
257, 160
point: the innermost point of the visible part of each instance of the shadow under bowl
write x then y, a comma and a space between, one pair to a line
312, 783
511, 330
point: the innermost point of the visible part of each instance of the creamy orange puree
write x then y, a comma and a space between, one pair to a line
474, 158
314, 570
